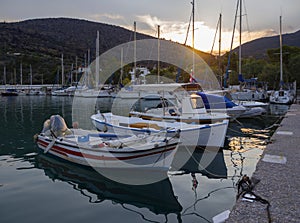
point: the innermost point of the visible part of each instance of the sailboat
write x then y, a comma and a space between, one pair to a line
87, 91
248, 88
282, 96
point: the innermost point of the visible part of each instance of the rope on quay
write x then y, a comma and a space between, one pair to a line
246, 186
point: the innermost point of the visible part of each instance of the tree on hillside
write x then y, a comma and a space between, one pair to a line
294, 67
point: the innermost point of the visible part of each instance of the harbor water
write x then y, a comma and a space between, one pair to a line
36, 187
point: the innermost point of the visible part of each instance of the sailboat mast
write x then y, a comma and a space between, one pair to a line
134, 50
21, 74
76, 68
280, 40
122, 71
193, 36
158, 55
97, 62
30, 70
220, 37
62, 70
240, 45
4, 74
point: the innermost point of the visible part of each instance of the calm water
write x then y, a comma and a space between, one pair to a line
39, 188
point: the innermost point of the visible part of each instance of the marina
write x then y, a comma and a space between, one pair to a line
195, 191
124, 112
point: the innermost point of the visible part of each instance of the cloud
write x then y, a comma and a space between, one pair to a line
148, 24
106, 17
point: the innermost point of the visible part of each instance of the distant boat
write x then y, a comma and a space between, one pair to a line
10, 92
69, 91
35, 92
282, 96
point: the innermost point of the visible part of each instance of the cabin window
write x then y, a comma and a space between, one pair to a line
197, 103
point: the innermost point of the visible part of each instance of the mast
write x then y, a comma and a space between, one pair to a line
88, 68
62, 70
226, 76
4, 74
220, 37
30, 70
193, 37
280, 41
240, 45
134, 50
76, 70
121, 77
158, 54
21, 74
97, 62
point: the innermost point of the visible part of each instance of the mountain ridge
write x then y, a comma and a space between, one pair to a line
258, 48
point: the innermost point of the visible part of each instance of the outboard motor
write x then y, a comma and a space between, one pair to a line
56, 126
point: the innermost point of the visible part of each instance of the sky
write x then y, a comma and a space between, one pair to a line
260, 17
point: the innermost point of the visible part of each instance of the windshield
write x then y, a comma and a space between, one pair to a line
197, 102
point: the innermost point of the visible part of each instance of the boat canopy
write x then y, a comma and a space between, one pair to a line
212, 101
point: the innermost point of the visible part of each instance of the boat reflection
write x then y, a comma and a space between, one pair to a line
278, 109
158, 197
208, 161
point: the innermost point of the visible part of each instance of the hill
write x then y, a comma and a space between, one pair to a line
258, 48
40, 43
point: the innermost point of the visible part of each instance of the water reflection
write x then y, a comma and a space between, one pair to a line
158, 197
277, 109
208, 162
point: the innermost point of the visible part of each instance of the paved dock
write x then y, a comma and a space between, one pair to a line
279, 173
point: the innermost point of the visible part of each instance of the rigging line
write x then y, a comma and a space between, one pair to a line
246, 14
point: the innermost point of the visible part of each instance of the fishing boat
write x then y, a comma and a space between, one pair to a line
91, 148
282, 96
212, 135
190, 109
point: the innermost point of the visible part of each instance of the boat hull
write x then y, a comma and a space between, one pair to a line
212, 135
141, 156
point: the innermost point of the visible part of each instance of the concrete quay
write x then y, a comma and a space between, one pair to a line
279, 173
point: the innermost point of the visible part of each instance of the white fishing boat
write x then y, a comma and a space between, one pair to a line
212, 135
91, 148
190, 109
